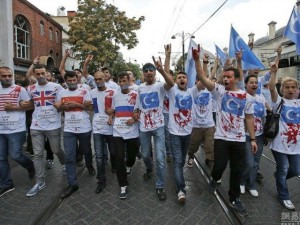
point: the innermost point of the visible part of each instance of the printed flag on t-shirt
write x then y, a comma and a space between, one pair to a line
149, 100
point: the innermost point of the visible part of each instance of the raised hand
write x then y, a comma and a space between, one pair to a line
168, 50
274, 67
196, 53
205, 57
36, 60
158, 64
239, 55
67, 53
89, 57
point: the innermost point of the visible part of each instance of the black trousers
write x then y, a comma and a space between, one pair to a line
131, 147
234, 152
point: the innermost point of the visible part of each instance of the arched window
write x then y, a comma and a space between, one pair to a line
56, 37
22, 38
42, 28
50, 34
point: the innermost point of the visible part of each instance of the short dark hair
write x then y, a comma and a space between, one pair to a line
149, 65
248, 78
235, 71
70, 74
123, 74
79, 70
38, 66
105, 68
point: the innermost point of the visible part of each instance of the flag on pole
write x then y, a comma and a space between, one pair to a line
249, 59
190, 68
292, 29
221, 55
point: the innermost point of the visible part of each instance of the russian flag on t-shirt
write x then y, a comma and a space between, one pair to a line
95, 105
124, 111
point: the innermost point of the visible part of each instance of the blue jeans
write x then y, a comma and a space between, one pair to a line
160, 150
287, 166
179, 146
70, 146
167, 134
248, 175
11, 144
100, 145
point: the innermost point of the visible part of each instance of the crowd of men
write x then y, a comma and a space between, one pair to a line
224, 114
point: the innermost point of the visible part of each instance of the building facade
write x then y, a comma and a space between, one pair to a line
29, 33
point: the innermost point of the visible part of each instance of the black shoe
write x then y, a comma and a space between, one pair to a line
259, 176
239, 208
31, 172
100, 187
161, 193
91, 170
212, 186
3, 191
209, 163
147, 175
69, 191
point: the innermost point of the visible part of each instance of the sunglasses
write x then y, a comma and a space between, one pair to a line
145, 70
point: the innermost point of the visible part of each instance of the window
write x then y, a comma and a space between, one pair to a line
42, 28
50, 34
22, 38
56, 37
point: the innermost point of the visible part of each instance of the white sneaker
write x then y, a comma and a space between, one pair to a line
181, 197
288, 204
219, 181
35, 189
190, 162
254, 193
242, 187
128, 171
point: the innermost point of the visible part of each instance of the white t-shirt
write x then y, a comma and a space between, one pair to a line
151, 106
12, 121
232, 107
85, 86
77, 120
45, 116
180, 111
202, 109
124, 105
287, 140
166, 104
113, 85
259, 114
134, 87
100, 118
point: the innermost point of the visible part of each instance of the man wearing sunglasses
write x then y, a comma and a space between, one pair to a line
151, 94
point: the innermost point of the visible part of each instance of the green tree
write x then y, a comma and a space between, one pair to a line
100, 28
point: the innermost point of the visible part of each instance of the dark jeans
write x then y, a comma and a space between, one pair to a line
101, 143
70, 146
131, 151
235, 153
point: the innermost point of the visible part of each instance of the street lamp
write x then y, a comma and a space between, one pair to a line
182, 35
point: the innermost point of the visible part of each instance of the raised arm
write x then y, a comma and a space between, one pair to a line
30, 70
167, 76
214, 69
168, 57
209, 84
85, 72
272, 88
63, 63
205, 63
239, 56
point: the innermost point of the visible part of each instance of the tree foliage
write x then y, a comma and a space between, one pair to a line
100, 28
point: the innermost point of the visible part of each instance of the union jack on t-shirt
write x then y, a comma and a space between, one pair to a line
44, 98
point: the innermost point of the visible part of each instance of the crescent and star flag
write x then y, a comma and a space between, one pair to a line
221, 55
292, 30
249, 59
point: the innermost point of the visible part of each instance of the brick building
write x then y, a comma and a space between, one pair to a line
30, 33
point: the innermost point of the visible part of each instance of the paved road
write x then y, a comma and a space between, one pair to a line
142, 205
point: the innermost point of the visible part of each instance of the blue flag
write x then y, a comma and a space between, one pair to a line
249, 59
221, 55
292, 30
190, 68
